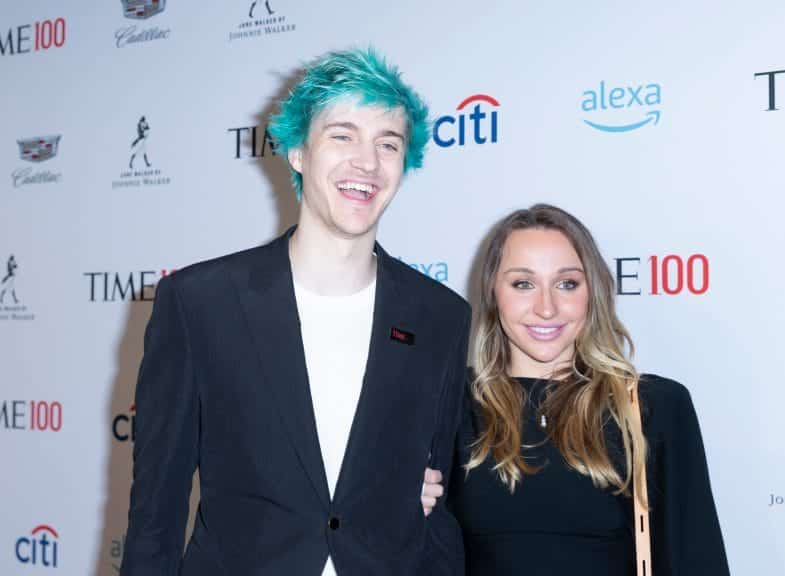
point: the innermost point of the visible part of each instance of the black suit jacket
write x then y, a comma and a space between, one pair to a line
223, 387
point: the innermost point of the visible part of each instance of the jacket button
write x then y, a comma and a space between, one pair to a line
333, 523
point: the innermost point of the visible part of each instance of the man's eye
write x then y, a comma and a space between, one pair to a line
340, 137
390, 146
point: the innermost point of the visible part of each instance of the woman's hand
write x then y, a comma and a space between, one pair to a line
431, 490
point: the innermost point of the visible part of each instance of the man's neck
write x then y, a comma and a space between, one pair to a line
325, 263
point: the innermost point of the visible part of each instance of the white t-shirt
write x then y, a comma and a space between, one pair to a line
336, 333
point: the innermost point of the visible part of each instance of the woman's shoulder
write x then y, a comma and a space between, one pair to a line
665, 403
658, 389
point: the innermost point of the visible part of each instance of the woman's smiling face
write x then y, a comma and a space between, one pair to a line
542, 298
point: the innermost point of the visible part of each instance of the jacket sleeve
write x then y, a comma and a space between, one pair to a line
165, 448
686, 532
443, 554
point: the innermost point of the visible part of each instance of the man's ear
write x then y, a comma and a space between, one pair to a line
295, 156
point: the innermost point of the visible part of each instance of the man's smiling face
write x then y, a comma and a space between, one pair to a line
351, 166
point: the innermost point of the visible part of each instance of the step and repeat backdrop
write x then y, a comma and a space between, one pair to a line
133, 142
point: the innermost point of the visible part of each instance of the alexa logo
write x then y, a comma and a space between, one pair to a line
476, 121
39, 548
438, 271
36, 150
136, 34
615, 109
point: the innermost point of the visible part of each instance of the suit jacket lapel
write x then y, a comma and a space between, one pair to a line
271, 310
380, 391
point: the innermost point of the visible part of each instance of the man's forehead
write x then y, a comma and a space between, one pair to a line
353, 112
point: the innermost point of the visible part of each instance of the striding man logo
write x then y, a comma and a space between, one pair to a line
139, 145
270, 11
7, 285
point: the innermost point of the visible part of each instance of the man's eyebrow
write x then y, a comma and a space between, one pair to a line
353, 126
392, 133
347, 125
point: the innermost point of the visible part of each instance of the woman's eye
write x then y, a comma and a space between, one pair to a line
568, 284
522, 284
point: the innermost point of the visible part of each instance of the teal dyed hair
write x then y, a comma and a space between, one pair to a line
356, 73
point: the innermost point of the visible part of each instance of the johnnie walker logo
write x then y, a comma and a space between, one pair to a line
140, 170
140, 10
263, 18
11, 306
36, 150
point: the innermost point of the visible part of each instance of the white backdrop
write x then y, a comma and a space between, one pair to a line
682, 157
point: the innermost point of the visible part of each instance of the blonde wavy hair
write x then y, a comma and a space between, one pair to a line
582, 398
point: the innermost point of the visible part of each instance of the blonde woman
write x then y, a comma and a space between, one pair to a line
550, 442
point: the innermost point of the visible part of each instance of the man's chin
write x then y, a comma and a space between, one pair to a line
353, 232
357, 229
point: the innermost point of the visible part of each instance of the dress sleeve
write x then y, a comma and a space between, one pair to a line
686, 532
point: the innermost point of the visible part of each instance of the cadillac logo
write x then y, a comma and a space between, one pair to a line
38, 149
142, 9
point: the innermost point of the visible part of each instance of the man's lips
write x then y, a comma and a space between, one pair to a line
544, 333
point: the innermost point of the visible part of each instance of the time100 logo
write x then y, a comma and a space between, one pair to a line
668, 275
35, 415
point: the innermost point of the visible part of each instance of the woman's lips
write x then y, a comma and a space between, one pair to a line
544, 333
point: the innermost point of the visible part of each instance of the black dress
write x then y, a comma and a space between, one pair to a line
557, 522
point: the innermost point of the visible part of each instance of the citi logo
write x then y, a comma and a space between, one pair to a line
120, 287
124, 425
483, 121
38, 549
635, 106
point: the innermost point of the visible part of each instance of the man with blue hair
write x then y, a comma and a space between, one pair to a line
311, 380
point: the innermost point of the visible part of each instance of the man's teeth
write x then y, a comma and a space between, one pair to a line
366, 188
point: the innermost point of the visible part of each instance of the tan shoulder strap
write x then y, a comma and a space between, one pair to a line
642, 534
